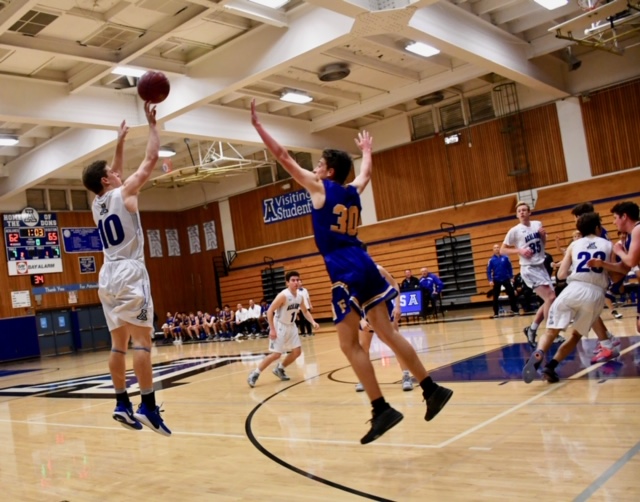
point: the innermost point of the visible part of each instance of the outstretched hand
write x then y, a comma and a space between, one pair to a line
254, 114
364, 141
150, 112
122, 132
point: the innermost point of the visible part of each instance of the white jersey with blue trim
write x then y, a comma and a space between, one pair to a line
120, 230
582, 251
523, 236
288, 312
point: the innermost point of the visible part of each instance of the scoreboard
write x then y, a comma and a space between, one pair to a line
32, 240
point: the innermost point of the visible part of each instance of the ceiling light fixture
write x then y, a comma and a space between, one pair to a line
421, 49
9, 140
298, 97
166, 151
128, 72
551, 4
272, 4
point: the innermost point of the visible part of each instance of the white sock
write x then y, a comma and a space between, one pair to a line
609, 335
405, 373
257, 370
534, 326
607, 344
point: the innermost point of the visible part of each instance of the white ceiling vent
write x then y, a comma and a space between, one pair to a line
33, 22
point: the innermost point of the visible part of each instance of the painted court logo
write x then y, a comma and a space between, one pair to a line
168, 374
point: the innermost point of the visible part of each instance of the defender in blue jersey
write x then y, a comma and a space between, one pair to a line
358, 289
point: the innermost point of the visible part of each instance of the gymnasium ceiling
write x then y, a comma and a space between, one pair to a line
59, 96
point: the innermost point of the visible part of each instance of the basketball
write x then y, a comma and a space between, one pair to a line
153, 86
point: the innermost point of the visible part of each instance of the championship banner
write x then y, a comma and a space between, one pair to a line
286, 207
32, 242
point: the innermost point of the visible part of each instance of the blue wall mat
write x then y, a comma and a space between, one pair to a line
18, 338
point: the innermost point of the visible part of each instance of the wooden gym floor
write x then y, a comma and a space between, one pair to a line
497, 439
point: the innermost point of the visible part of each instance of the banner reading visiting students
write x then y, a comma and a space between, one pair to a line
287, 206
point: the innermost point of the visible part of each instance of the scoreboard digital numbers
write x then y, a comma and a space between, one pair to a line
33, 242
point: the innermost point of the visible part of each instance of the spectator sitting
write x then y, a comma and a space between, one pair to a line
253, 315
409, 282
241, 321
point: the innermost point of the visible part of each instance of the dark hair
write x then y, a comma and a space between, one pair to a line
290, 274
92, 176
627, 207
340, 162
588, 223
583, 208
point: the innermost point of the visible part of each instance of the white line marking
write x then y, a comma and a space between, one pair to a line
530, 400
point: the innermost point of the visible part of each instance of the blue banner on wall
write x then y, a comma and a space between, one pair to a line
64, 288
287, 206
81, 240
410, 302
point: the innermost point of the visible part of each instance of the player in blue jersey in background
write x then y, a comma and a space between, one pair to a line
358, 289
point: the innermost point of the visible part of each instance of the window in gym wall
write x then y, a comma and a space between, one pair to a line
58, 200
422, 125
36, 198
79, 200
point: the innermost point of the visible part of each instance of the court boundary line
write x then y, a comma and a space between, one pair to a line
553, 388
608, 474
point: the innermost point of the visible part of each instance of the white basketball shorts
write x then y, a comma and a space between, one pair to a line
581, 301
535, 276
286, 340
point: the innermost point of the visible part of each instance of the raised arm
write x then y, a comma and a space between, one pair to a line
364, 142
134, 183
306, 178
117, 164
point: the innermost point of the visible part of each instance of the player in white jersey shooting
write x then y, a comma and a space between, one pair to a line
124, 287
283, 332
527, 239
582, 300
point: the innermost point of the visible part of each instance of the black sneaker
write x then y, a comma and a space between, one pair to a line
531, 336
436, 402
381, 424
550, 375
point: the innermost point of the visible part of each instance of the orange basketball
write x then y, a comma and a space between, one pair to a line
153, 86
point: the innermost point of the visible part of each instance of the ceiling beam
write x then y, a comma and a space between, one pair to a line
234, 126
397, 96
265, 52
152, 37
72, 146
310, 87
465, 36
372, 63
488, 6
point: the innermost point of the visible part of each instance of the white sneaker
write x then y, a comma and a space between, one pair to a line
407, 382
253, 378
